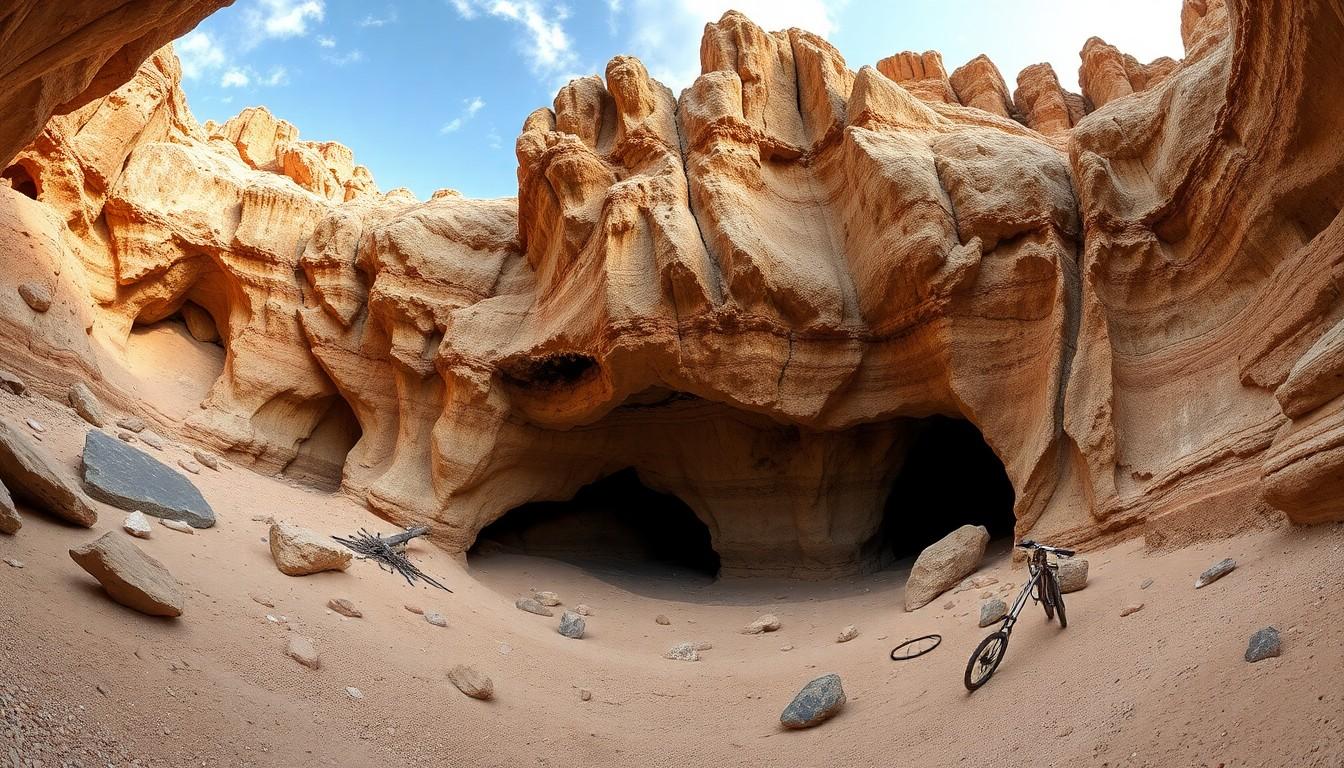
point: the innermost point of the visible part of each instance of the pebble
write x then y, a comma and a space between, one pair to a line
417, 610
1215, 572
344, 607
152, 440
1146, 584
547, 598
848, 633
132, 423
13, 562
302, 650
354, 692
786, 648
436, 618
137, 525
262, 599
949, 605
125, 437
661, 619
1131, 608
571, 625
177, 525
585, 694
583, 610
1264, 644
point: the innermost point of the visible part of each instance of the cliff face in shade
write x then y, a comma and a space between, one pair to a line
752, 293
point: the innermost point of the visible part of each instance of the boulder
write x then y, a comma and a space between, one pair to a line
129, 478
31, 478
817, 702
300, 552
130, 576
1264, 644
1072, 574
532, 606
36, 296
200, 324
571, 625
471, 682
765, 623
992, 611
137, 525
10, 522
1215, 572
944, 563
11, 383
86, 404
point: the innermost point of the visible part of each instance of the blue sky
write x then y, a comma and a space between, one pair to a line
431, 93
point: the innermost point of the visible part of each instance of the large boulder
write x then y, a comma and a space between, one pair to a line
130, 576
31, 478
300, 552
1072, 574
130, 479
10, 522
944, 563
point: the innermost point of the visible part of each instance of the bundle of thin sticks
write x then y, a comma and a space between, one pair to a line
390, 553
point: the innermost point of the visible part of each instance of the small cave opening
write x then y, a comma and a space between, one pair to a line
558, 370
616, 521
320, 462
950, 478
21, 180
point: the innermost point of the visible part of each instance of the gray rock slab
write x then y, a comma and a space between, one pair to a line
128, 478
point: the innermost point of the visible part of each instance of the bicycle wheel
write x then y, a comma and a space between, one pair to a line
1046, 594
986, 659
1057, 597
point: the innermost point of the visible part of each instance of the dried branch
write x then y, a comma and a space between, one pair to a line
390, 553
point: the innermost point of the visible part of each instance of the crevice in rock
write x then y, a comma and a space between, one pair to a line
320, 461
22, 181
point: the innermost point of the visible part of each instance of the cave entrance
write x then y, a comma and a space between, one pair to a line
616, 521
320, 462
950, 478
21, 180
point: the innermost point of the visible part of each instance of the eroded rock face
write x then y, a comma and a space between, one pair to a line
1137, 307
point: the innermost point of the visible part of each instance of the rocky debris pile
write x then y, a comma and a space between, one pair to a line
344, 607
128, 478
944, 563
303, 650
1215, 572
531, 605
1072, 574
765, 623
10, 521
137, 525
817, 702
1265, 644
300, 552
86, 404
572, 625
992, 610
471, 682
30, 477
130, 576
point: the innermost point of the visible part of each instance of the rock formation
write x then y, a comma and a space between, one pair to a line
753, 293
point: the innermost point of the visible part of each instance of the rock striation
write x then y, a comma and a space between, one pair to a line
1132, 292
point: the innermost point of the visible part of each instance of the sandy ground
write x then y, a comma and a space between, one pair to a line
84, 681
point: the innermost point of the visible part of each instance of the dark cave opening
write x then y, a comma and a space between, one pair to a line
950, 478
320, 462
21, 180
616, 520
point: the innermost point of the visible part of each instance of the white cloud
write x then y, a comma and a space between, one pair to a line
469, 109
545, 42
278, 76
199, 54
464, 9
326, 42
494, 140
340, 60
287, 18
370, 20
235, 78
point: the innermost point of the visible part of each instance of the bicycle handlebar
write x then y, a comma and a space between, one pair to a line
1029, 544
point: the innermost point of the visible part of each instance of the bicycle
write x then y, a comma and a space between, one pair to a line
1045, 581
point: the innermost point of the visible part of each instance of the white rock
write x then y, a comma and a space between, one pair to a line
177, 525
354, 692
138, 525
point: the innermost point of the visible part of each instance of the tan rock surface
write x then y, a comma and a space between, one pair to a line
29, 475
945, 563
299, 552
130, 576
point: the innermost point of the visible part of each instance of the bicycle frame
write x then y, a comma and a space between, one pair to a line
1036, 566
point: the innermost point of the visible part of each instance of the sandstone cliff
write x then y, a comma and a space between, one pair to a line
752, 293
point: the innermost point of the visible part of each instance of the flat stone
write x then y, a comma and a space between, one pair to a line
548, 599
132, 423
301, 552
1264, 644
532, 606
137, 525
263, 600
13, 562
129, 478
35, 425
786, 648
417, 610
659, 619
571, 625
949, 605
343, 607
206, 459
436, 618
585, 694
993, 610
125, 437
36, 296
817, 702
471, 682
12, 383
10, 521
28, 474
1146, 584
177, 525
682, 652
1072, 574
1215, 572
1131, 609
848, 633
354, 692
304, 651
130, 576
86, 404
702, 645
944, 563
189, 466
768, 622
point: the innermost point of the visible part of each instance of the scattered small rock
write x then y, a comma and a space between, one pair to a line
585, 694
344, 607
132, 423
1131, 609
35, 425
949, 605
848, 633
1072, 574
354, 692
583, 610
206, 459
10, 521
86, 404
302, 650
682, 652
659, 619
137, 525
532, 606
471, 682
1215, 572
152, 440
37, 297
190, 466
417, 610
12, 383
548, 599
125, 437
263, 600
300, 552
992, 611
786, 648
177, 525
1146, 584
817, 702
765, 623
267, 519
986, 595
13, 562
1264, 645
571, 625
436, 618
130, 576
